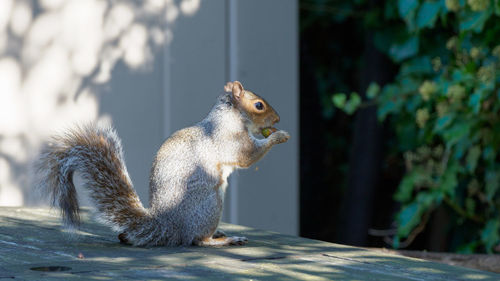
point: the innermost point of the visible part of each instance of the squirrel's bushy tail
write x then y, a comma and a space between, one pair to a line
96, 153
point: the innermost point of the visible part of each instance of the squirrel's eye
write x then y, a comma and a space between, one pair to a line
259, 105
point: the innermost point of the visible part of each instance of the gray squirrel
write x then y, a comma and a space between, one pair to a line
188, 178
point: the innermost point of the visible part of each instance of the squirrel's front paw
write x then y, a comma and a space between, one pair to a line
280, 137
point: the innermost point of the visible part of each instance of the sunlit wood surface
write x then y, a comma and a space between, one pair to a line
34, 247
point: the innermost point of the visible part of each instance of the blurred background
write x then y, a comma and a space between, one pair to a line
393, 105
399, 115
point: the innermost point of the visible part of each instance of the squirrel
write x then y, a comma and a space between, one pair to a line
188, 177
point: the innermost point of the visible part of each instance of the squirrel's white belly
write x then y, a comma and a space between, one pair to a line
225, 172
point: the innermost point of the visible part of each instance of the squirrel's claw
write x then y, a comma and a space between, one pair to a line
237, 241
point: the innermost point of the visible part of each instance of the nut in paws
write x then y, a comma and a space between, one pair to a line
280, 136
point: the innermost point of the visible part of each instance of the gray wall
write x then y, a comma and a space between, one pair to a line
263, 56
171, 84
267, 62
135, 101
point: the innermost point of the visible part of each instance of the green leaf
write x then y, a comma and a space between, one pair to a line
428, 199
404, 50
405, 188
413, 103
418, 65
408, 218
492, 180
386, 108
449, 181
489, 235
461, 76
353, 103
497, 7
428, 13
489, 153
474, 21
443, 122
475, 102
469, 248
470, 205
339, 100
456, 133
396, 242
461, 147
372, 90
407, 7
410, 215
472, 157
409, 84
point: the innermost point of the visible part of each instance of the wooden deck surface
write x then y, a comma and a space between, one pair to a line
34, 247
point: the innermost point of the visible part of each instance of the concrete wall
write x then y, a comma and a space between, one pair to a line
156, 66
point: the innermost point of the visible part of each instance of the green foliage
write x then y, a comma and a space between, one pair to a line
339, 100
444, 108
372, 90
348, 105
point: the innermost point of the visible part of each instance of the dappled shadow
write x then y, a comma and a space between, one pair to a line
32, 238
57, 58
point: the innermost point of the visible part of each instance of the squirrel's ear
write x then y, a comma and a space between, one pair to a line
237, 89
228, 87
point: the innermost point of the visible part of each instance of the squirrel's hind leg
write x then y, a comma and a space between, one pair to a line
222, 241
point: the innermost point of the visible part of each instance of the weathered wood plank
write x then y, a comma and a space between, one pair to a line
487, 262
31, 238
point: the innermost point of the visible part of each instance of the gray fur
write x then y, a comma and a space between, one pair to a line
187, 182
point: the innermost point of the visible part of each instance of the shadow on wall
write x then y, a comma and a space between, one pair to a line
54, 55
